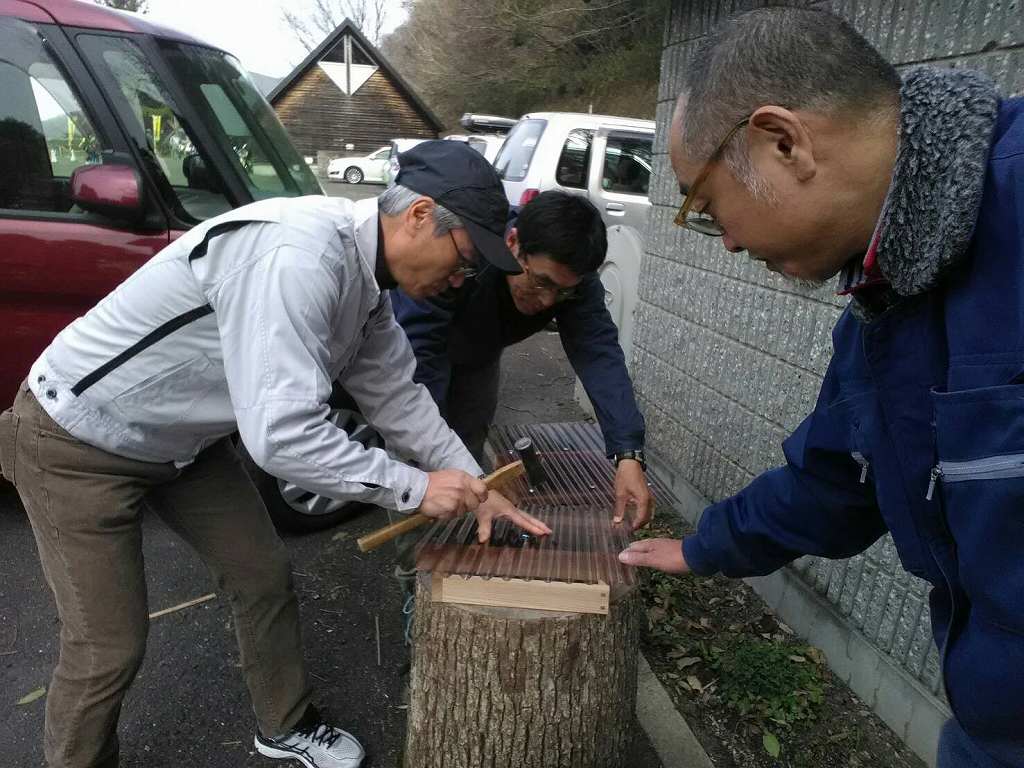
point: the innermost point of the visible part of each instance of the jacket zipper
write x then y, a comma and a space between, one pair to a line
989, 468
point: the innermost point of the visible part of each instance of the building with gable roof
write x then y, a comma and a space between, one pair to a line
346, 99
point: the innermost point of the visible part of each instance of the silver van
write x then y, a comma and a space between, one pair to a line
605, 158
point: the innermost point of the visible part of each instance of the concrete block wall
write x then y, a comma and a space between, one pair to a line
728, 358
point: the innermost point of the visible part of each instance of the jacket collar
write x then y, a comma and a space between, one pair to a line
947, 118
366, 219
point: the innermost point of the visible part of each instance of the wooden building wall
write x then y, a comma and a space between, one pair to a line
320, 117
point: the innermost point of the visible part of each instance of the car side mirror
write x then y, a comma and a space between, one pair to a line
110, 190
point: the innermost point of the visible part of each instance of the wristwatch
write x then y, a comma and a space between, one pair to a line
637, 455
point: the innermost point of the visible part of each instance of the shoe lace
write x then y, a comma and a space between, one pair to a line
408, 613
320, 733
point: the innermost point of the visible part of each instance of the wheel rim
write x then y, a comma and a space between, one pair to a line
315, 504
353, 175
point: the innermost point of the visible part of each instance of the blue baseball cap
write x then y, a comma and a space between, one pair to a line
460, 178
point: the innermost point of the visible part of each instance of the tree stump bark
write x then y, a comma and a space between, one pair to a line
513, 688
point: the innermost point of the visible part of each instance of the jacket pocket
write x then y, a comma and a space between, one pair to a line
980, 477
165, 400
9, 422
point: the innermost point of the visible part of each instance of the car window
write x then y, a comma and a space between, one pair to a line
242, 121
627, 165
44, 132
513, 162
480, 145
193, 187
381, 154
574, 162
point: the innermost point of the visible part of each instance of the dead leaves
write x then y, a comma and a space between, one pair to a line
28, 698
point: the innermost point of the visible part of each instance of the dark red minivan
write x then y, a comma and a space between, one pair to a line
116, 135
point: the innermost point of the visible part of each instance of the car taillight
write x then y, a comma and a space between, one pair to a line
528, 195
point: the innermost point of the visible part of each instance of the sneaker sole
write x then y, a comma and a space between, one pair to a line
291, 754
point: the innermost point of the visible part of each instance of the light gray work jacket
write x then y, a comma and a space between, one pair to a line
243, 323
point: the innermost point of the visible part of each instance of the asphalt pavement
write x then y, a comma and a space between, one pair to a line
189, 707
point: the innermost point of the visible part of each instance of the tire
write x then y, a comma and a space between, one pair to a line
298, 511
353, 175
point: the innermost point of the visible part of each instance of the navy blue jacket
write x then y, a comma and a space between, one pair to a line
470, 327
931, 396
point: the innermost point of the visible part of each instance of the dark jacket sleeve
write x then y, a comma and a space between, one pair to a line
426, 324
591, 342
813, 505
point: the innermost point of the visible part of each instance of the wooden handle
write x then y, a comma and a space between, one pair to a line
412, 522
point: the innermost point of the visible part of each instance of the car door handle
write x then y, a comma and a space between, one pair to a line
615, 207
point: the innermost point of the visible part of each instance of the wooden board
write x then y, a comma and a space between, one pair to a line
535, 594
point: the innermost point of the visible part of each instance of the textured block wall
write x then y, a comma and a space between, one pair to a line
728, 358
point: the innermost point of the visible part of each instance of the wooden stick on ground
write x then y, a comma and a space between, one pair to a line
183, 606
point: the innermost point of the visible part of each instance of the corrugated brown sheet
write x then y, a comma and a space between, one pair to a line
577, 502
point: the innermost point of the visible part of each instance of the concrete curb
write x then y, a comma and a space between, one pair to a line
669, 733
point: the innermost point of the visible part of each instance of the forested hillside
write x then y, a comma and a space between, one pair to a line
514, 56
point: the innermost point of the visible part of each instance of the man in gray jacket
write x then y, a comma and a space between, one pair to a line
243, 324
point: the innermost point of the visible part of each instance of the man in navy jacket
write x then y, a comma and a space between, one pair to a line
795, 141
560, 241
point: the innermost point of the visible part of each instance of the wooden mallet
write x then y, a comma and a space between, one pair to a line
493, 481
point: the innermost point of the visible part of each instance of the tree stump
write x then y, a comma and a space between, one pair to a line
513, 688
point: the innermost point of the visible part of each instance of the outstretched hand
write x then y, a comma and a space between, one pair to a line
498, 506
663, 554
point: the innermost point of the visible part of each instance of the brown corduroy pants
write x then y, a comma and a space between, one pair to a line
86, 507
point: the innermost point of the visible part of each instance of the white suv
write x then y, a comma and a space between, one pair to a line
604, 158
487, 144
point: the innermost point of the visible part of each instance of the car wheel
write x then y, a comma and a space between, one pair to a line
297, 510
353, 175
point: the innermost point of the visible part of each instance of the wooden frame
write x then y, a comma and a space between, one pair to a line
535, 594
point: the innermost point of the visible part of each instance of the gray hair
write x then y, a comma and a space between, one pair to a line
792, 57
396, 199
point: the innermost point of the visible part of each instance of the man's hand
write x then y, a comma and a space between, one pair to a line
450, 493
631, 488
498, 506
664, 554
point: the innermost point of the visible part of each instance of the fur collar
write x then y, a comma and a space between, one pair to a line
946, 121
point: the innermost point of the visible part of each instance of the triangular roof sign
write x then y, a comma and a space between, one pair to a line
360, 73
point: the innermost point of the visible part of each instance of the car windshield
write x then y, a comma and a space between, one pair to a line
181, 145
241, 120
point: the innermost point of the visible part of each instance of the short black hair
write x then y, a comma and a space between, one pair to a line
566, 228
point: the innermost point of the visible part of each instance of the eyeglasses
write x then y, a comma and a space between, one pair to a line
463, 267
699, 221
546, 286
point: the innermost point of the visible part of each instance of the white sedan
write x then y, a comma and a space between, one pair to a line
356, 170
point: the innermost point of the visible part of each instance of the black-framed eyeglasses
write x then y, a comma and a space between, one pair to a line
463, 267
699, 221
546, 286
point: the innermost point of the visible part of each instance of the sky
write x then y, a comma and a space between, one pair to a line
252, 30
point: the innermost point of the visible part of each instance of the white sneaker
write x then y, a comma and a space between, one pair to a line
315, 744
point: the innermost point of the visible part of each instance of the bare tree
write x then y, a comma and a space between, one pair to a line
311, 28
138, 6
